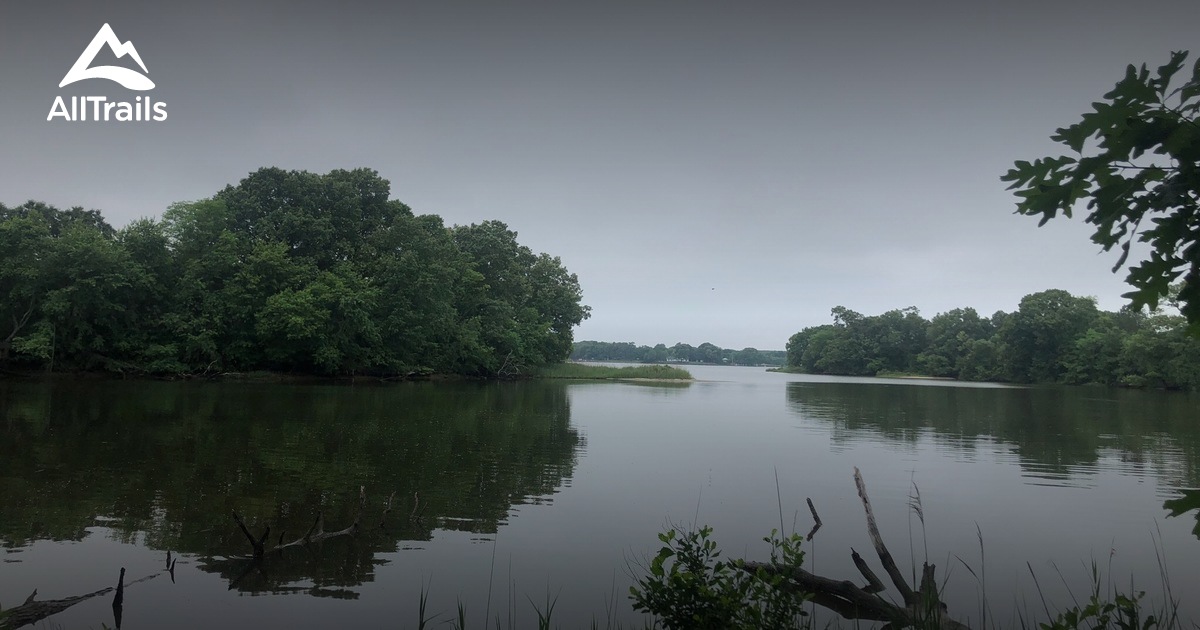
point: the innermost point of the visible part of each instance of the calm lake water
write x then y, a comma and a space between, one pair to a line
557, 489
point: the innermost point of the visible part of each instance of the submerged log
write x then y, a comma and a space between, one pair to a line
921, 607
316, 533
33, 611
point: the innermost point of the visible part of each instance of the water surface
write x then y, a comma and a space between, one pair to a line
536, 489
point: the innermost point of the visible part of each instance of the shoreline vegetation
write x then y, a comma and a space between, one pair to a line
582, 371
287, 272
689, 585
564, 371
704, 354
896, 375
1052, 338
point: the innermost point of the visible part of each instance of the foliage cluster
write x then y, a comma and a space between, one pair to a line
629, 352
1122, 612
1053, 337
288, 271
690, 587
1135, 160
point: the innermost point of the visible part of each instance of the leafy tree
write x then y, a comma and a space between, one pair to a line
1161, 355
528, 305
557, 298
1135, 159
844, 348
798, 345
748, 356
33, 239
285, 207
24, 241
1053, 337
982, 362
683, 352
327, 326
85, 321
898, 337
287, 270
708, 353
149, 341
948, 339
934, 364
1095, 357
58, 220
629, 352
1041, 332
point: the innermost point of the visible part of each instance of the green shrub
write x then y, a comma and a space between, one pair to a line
689, 586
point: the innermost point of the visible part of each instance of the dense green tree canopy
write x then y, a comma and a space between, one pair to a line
1052, 337
1135, 159
288, 271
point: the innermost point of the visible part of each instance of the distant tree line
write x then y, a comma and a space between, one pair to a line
627, 352
287, 271
1053, 337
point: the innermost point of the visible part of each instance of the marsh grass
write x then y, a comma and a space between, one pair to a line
543, 612
606, 372
1108, 606
688, 569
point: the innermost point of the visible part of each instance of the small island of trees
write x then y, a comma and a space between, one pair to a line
288, 271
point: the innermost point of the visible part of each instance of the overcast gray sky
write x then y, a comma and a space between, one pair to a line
712, 171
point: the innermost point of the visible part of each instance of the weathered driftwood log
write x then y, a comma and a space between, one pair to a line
33, 611
316, 533
854, 602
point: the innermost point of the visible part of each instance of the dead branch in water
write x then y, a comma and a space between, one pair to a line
844, 597
816, 520
33, 611
315, 534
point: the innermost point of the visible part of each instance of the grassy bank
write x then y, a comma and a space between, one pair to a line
582, 371
786, 369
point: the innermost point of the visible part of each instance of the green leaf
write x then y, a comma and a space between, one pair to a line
1165, 72
1073, 136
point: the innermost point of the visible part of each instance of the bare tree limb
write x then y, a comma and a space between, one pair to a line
33, 611
885, 556
874, 584
256, 545
816, 520
840, 596
923, 608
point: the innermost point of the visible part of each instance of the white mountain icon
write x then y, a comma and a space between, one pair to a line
128, 78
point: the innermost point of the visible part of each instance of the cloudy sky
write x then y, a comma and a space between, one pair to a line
712, 171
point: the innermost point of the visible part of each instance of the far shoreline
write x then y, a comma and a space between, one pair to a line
557, 371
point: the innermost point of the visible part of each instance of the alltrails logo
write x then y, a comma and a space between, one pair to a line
99, 107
